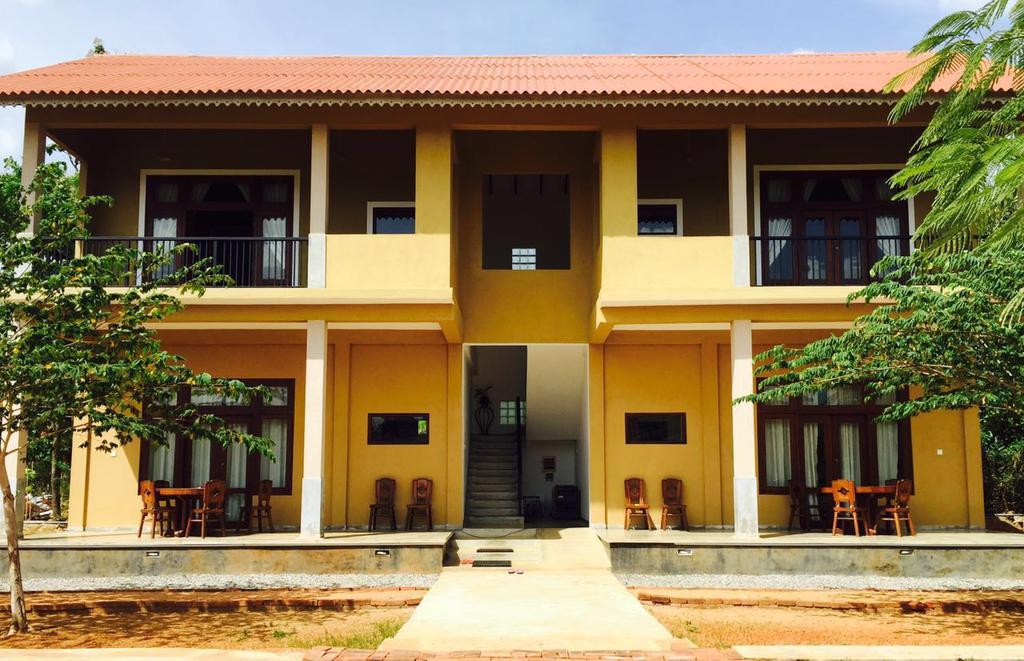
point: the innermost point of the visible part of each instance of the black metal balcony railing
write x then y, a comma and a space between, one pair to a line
249, 261
821, 260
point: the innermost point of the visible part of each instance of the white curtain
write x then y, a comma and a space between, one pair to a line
780, 252
853, 187
778, 190
161, 460
276, 469
164, 227
812, 432
844, 396
200, 462
276, 193
809, 187
888, 437
237, 460
274, 251
849, 451
850, 246
887, 226
777, 459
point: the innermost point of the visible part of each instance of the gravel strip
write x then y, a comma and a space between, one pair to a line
815, 582
227, 581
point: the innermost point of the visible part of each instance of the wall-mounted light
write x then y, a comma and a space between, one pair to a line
906, 551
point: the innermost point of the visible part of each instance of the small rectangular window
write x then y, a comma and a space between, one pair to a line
391, 217
656, 428
507, 412
398, 429
524, 259
659, 217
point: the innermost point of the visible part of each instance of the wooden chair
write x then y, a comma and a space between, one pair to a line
261, 510
384, 495
636, 502
900, 508
212, 507
422, 490
844, 495
801, 508
672, 503
151, 506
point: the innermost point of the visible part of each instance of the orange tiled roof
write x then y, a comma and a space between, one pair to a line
495, 76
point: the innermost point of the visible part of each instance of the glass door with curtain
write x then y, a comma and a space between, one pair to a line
851, 449
813, 251
233, 464
815, 455
849, 247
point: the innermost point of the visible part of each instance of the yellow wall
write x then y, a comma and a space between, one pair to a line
397, 379
525, 306
388, 263
653, 379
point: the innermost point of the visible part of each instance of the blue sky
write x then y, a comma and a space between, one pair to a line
35, 33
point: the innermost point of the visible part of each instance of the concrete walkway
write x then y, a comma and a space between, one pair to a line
146, 653
490, 609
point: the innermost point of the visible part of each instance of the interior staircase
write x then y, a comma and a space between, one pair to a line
492, 493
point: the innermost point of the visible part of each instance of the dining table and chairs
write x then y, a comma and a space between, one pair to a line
174, 510
859, 505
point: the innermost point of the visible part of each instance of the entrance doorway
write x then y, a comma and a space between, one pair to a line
527, 456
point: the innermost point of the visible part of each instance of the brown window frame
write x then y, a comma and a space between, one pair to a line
253, 413
830, 415
868, 208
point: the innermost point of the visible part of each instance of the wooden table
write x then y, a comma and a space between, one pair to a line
182, 496
872, 493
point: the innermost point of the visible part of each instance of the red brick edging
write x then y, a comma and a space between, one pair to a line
207, 601
980, 605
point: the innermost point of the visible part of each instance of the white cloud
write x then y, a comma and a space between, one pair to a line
11, 132
6, 55
803, 51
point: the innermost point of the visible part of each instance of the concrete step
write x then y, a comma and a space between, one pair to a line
493, 465
474, 511
492, 473
513, 522
508, 495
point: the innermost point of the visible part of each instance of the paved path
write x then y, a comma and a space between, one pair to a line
144, 654
490, 609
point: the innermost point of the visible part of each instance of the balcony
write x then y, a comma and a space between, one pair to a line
821, 260
248, 261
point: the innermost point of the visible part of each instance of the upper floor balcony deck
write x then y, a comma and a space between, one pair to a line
502, 222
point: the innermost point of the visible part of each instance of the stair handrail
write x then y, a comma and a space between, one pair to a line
519, 456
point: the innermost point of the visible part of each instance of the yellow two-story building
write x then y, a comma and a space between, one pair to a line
600, 244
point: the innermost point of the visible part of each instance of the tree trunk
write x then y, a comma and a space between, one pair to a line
55, 508
19, 618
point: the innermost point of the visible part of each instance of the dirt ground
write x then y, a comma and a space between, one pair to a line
302, 629
725, 626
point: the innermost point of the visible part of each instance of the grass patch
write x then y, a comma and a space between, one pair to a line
368, 638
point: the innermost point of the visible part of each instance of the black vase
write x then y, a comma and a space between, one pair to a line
484, 416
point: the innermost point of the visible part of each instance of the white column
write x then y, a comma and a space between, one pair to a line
14, 464
319, 200
744, 431
315, 430
33, 155
738, 226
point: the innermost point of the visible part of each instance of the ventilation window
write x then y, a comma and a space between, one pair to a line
659, 217
524, 259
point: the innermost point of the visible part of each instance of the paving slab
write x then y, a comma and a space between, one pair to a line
871, 653
556, 609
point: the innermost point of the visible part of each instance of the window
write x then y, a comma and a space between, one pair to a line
507, 412
398, 429
391, 217
659, 217
524, 259
526, 222
242, 223
827, 227
656, 428
191, 462
830, 435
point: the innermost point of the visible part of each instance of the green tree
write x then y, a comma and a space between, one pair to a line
74, 348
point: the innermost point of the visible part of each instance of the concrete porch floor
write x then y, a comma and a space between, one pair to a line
926, 538
128, 539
